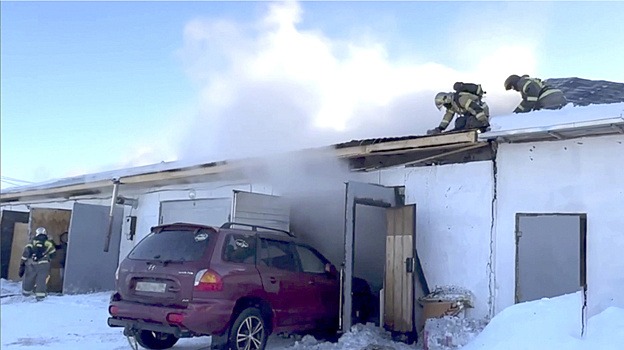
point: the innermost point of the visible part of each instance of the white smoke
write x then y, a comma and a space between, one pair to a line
270, 87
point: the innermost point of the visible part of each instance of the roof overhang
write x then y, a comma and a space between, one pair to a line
609, 126
368, 155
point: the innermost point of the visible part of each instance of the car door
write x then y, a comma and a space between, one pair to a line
282, 281
322, 289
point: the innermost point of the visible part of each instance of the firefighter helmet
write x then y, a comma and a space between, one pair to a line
511, 81
442, 99
41, 234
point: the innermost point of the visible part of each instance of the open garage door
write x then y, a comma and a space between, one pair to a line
211, 211
261, 209
88, 268
244, 207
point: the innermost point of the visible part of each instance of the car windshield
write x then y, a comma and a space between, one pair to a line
172, 246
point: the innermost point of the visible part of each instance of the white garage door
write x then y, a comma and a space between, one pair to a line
262, 210
212, 212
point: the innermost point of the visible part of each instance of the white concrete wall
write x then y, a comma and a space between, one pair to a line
583, 175
453, 224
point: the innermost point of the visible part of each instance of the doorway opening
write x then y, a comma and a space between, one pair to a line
369, 248
380, 255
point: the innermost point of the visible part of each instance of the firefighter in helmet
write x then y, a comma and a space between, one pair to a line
535, 93
35, 264
472, 111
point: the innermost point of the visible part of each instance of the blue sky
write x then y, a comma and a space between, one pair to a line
95, 86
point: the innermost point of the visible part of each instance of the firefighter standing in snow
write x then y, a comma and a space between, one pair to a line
35, 264
467, 102
536, 94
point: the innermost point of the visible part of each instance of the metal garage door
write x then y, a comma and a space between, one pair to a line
88, 268
261, 209
550, 255
211, 212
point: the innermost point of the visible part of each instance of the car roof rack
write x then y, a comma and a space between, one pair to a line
256, 227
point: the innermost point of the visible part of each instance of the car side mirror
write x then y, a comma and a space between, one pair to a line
331, 270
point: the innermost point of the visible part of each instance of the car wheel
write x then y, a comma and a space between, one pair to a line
156, 340
249, 331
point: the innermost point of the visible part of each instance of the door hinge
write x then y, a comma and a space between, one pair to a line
518, 234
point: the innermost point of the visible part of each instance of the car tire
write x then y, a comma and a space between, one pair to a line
155, 340
248, 331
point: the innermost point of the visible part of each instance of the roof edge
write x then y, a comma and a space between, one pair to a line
527, 132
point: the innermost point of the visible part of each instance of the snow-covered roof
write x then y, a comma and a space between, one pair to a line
569, 121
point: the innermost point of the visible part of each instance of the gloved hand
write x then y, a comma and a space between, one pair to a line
22, 269
434, 131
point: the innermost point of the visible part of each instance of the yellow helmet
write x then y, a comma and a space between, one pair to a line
443, 98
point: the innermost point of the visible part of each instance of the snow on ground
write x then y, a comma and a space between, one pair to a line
63, 322
551, 324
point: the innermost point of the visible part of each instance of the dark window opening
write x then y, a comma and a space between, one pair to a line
240, 249
278, 254
311, 262
172, 246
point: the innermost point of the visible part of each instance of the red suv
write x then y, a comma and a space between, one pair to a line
237, 285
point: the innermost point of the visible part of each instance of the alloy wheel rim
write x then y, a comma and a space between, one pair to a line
249, 334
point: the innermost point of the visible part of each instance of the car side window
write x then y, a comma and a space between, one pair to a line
240, 249
310, 261
278, 254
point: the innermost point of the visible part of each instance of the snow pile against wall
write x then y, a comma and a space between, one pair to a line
551, 324
547, 118
451, 332
360, 337
580, 176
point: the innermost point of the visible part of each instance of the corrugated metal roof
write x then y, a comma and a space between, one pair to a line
366, 142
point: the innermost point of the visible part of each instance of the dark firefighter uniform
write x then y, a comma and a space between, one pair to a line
535, 94
473, 112
35, 265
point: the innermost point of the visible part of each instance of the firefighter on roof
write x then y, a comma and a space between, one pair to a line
536, 94
35, 264
467, 103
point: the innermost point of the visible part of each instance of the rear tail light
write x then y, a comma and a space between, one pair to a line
207, 280
175, 318
113, 310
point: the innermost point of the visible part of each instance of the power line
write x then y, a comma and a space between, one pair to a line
8, 179
11, 183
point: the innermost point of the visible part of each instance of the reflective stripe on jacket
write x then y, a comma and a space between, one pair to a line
532, 90
465, 103
29, 252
